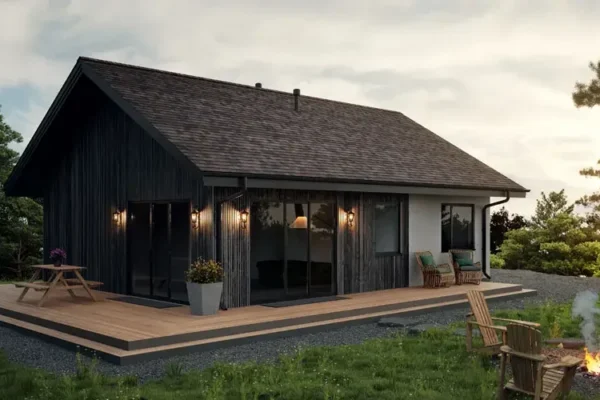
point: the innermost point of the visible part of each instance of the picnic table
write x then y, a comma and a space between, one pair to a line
57, 281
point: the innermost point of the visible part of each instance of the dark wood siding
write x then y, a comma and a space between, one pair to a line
364, 270
359, 269
107, 161
234, 250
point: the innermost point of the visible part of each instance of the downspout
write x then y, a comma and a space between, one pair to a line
244, 188
484, 232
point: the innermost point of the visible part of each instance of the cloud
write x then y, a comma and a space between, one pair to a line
492, 77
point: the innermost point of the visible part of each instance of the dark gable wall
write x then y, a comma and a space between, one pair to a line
105, 160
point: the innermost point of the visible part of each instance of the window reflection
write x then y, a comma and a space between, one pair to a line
322, 230
267, 252
297, 249
387, 228
457, 227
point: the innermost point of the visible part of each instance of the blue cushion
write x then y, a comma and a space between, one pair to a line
469, 268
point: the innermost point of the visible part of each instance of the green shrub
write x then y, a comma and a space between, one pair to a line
205, 271
588, 251
496, 261
174, 370
555, 250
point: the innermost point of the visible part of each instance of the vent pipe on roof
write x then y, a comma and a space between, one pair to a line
296, 98
258, 85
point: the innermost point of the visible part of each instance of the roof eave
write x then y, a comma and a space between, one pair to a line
231, 179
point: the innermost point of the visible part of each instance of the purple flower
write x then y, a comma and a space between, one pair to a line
58, 255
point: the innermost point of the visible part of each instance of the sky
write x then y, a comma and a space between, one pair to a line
493, 77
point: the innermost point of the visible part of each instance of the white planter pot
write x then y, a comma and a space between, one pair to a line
204, 298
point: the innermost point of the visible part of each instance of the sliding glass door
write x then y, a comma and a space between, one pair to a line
158, 236
292, 250
322, 239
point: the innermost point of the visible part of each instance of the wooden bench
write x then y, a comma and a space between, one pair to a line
92, 284
32, 285
57, 281
43, 286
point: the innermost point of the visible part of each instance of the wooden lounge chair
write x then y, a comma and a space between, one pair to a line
466, 270
486, 324
434, 275
530, 375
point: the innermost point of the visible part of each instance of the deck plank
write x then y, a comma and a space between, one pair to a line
130, 322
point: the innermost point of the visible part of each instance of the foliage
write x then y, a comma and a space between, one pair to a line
58, 255
550, 206
205, 271
496, 261
500, 223
432, 366
588, 95
557, 241
556, 319
21, 219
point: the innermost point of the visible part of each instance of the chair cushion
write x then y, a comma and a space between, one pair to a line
469, 268
464, 262
444, 269
427, 260
461, 255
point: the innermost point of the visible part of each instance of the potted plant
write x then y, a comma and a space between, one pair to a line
204, 281
58, 256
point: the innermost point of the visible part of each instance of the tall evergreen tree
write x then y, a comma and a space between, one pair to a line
20, 218
588, 95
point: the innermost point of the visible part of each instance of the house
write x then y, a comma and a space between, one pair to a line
142, 171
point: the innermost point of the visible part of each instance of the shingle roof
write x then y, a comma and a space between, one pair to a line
231, 129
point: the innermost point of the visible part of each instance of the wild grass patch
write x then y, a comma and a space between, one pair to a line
431, 366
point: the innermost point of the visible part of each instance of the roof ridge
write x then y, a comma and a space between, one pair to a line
242, 85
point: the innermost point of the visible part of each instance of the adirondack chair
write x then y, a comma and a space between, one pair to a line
486, 324
530, 375
466, 270
434, 275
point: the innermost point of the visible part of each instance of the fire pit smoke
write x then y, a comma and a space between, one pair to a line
585, 306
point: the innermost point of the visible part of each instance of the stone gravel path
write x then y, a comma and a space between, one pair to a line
36, 353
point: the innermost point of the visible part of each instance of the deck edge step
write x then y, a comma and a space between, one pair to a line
124, 357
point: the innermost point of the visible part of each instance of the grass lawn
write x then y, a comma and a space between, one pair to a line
429, 367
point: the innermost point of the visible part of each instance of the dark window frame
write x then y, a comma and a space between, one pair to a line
451, 205
398, 203
287, 201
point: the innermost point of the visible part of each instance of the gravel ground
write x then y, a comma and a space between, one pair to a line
33, 352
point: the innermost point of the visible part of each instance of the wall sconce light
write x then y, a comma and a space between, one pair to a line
350, 218
244, 219
195, 216
117, 216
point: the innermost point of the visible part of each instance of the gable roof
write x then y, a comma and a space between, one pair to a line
228, 129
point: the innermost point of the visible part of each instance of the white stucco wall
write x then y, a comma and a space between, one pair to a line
425, 232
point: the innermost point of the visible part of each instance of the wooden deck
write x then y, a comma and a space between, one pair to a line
124, 333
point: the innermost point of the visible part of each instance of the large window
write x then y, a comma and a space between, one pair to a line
457, 227
387, 228
292, 250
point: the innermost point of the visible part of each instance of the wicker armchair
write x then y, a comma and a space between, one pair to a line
434, 275
465, 269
